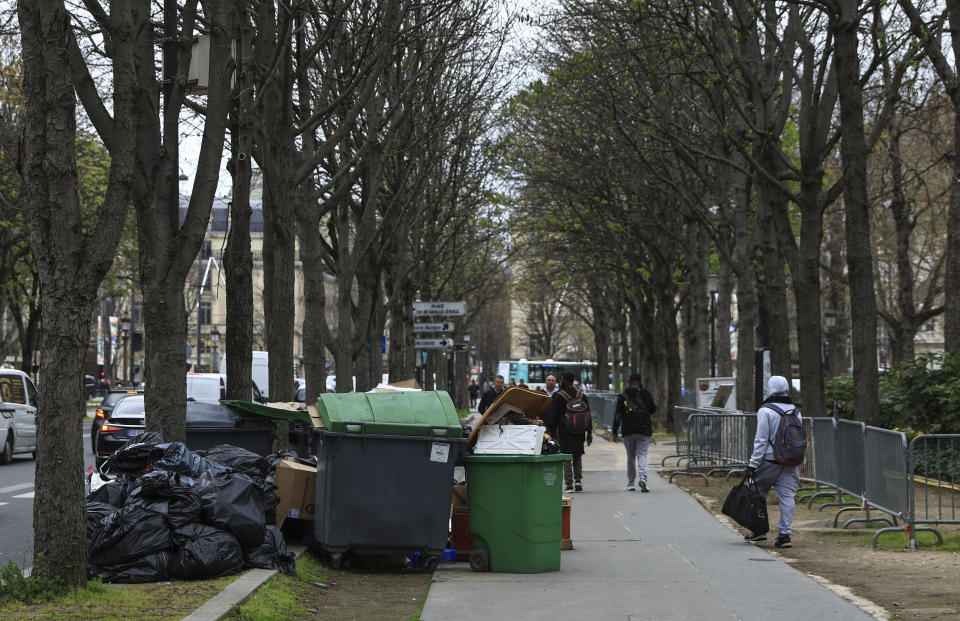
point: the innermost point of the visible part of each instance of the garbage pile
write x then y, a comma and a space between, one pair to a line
173, 513
511, 426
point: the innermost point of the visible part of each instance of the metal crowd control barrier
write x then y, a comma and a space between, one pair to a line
603, 404
919, 482
934, 466
717, 441
680, 414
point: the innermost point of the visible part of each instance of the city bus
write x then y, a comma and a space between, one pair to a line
534, 372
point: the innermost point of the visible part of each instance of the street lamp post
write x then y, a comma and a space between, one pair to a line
215, 337
125, 330
712, 290
830, 322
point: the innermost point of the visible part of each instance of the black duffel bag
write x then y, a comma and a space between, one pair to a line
747, 507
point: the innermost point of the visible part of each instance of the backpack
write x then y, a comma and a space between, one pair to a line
790, 442
636, 410
576, 416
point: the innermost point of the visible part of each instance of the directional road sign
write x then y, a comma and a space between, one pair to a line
443, 326
422, 309
432, 343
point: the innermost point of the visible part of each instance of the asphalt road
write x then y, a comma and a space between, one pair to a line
16, 505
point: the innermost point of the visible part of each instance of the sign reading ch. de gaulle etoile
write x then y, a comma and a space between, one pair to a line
424, 309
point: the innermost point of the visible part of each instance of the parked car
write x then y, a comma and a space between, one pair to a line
208, 424
104, 409
18, 415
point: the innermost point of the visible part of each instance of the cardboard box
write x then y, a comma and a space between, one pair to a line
296, 486
509, 440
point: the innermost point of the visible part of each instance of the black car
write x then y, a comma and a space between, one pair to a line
104, 410
125, 420
208, 425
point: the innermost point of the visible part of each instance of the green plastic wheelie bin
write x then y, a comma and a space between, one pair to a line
515, 511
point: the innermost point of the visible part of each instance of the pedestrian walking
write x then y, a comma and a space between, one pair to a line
633, 417
765, 467
491, 395
568, 420
474, 390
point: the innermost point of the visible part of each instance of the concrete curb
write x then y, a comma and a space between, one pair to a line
237, 592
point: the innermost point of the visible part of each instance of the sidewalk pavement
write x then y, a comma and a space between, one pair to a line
640, 556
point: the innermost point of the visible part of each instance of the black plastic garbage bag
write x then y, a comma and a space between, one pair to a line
135, 454
205, 552
96, 513
747, 507
177, 458
275, 458
238, 459
113, 493
132, 532
271, 554
549, 447
168, 493
233, 502
150, 568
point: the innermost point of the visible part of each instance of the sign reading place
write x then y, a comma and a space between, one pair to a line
423, 309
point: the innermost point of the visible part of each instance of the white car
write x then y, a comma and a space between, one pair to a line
18, 415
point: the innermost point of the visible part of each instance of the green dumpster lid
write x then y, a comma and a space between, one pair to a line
419, 413
258, 409
502, 459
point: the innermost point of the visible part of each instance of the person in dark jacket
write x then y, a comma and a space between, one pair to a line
489, 396
474, 389
635, 407
571, 443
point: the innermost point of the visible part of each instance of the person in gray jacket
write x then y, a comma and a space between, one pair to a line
785, 480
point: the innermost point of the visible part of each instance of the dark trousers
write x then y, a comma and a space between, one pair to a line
573, 471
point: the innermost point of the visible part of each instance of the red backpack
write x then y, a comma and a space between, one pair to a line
576, 416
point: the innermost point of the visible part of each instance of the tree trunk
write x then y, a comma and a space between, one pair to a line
853, 149
774, 284
71, 265
745, 252
237, 256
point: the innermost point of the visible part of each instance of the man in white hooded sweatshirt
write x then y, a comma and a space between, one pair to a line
785, 480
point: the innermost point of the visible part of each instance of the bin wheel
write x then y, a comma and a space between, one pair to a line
479, 560
336, 560
429, 563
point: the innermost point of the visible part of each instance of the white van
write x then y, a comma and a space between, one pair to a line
206, 387
212, 387
18, 415
259, 371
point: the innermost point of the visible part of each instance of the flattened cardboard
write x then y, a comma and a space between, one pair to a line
296, 486
529, 403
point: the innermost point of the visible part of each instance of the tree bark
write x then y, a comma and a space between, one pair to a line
71, 265
863, 306
238, 256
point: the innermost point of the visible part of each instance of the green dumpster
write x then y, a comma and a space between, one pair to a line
515, 511
414, 413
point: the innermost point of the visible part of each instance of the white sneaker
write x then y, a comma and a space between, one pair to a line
568, 490
630, 488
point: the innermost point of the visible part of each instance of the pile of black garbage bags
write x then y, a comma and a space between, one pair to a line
172, 513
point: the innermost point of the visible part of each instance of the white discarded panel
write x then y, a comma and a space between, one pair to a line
509, 440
